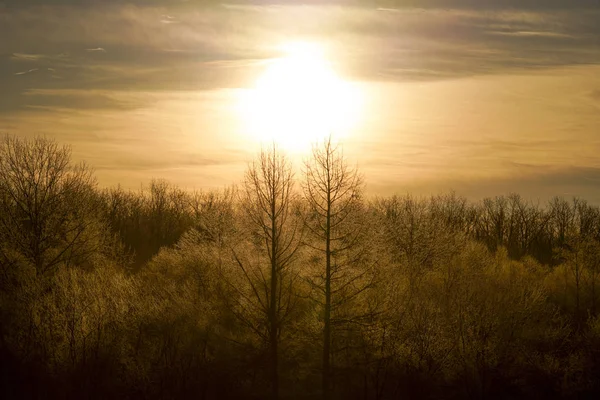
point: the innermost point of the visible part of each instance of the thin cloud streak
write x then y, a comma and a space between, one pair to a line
27, 72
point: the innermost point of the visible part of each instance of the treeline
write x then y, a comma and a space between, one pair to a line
288, 286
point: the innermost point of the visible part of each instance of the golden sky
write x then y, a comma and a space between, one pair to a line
480, 97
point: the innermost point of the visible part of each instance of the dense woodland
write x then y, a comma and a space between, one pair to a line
290, 285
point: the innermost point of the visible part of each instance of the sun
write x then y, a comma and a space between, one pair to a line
299, 100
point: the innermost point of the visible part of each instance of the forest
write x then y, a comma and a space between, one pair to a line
293, 284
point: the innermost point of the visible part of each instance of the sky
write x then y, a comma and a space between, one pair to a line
481, 97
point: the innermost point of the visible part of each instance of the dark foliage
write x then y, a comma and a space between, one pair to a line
166, 294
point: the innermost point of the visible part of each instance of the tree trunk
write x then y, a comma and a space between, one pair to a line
327, 317
273, 337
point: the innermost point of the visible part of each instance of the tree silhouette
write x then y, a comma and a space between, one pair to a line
409, 296
267, 201
47, 205
332, 190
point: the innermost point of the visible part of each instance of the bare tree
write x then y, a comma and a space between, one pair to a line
333, 193
213, 214
47, 205
267, 202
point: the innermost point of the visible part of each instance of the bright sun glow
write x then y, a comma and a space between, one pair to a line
300, 100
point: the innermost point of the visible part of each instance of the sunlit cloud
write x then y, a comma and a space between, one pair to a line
26, 57
27, 72
168, 19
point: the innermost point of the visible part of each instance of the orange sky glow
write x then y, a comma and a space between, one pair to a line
478, 100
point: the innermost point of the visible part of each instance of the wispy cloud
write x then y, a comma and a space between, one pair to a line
370, 44
533, 34
27, 72
168, 19
27, 57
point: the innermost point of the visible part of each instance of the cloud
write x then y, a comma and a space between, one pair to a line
169, 19
148, 51
167, 162
27, 72
52, 100
27, 57
532, 4
531, 182
369, 42
533, 34
542, 183
202, 52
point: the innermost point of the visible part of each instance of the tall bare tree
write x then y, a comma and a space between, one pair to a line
47, 205
333, 193
267, 201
